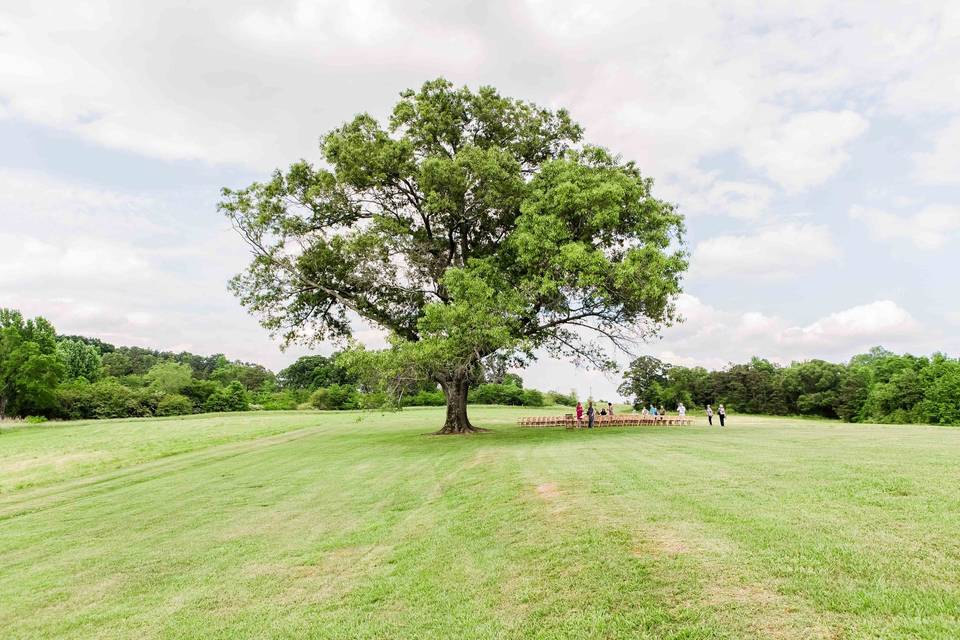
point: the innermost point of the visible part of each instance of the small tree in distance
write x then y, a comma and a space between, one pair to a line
641, 378
472, 224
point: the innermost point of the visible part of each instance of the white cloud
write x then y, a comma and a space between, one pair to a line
941, 165
771, 253
705, 193
806, 149
32, 201
27, 261
255, 83
868, 323
234, 83
925, 78
711, 336
933, 227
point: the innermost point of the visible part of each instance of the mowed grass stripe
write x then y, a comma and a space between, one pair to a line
27, 501
231, 513
801, 529
366, 528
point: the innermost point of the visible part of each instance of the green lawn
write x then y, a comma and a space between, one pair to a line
355, 525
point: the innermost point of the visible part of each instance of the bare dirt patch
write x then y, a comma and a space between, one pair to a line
678, 538
480, 458
671, 544
548, 490
551, 495
771, 615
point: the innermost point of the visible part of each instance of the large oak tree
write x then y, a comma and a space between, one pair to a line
471, 224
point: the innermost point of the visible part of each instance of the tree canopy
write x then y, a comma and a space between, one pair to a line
642, 378
169, 377
470, 224
29, 366
80, 359
311, 372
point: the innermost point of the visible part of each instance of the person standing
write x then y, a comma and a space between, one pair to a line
579, 414
710, 415
653, 410
722, 413
609, 408
681, 411
591, 415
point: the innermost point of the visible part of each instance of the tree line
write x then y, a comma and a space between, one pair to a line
46, 375
877, 386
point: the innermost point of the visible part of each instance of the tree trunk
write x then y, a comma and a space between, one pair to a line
455, 389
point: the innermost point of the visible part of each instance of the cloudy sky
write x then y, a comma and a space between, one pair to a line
815, 151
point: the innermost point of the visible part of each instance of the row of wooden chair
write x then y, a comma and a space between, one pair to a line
570, 421
543, 421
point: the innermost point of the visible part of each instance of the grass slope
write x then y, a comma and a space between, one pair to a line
354, 525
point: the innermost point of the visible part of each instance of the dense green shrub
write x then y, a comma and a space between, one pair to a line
233, 397
495, 394
532, 398
336, 396
279, 400
199, 391
425, 399
104, 399
561, 399
374, 400
174, 404
506, 394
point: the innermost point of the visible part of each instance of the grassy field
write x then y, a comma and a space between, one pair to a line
355, 525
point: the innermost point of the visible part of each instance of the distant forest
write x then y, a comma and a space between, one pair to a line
45, 375
877, 386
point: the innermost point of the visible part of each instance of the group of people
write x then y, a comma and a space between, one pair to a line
721, 413
654, 411
591, 412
